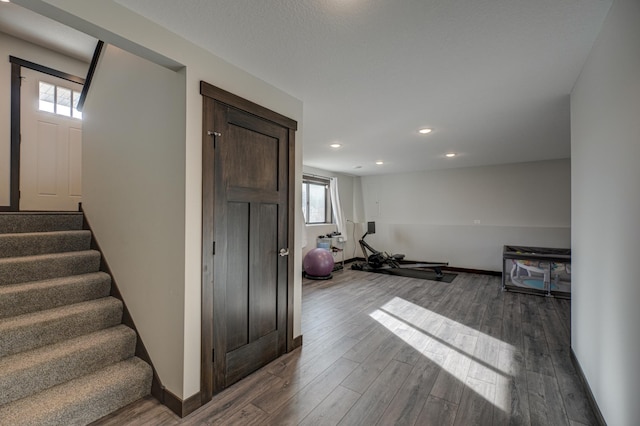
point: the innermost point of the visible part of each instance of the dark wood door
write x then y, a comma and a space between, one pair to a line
249, 158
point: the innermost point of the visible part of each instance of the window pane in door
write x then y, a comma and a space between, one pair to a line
63, 101
46, 96
75, 113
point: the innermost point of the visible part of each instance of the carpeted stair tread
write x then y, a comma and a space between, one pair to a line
30, 331
23, 298
65, 356
15, 270
82, 400
39, 222
33, 243
33, 371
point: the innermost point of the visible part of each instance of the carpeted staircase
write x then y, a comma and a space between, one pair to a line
65, 357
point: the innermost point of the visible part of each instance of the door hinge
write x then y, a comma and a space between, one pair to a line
215, 135
214, 248
213, 355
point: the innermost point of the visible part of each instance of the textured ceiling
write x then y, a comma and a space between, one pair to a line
491, 77
34, 28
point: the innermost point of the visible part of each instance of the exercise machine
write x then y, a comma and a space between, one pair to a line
375, 259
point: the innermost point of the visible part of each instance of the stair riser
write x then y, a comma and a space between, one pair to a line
19, 334
27, 374
39, 222
65, 357
19, 299
35, 268
29, 244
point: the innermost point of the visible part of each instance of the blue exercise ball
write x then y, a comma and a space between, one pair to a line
318, 263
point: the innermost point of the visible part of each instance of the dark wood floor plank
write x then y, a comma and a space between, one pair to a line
453, 304
476, 405
536, 349
474, 316
332, 409
372, 366
538, 358
532, 323
554, 330
437, 412
484, 365
370, 406
443, 337
561, 359
546, 404
362, 349
280, 366
249, 415
418, 291
147, 410
436, 293
511, 403
563, 308
309, 397
451, 380
512, 320
422, 334
575, 400
413, 351
235, 398
492, 322
332, 347
408, 345
407, 405
297, 376
574, 423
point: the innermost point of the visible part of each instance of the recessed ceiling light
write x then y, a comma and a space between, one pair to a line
379, 163
450, 154
335, 145
425, 131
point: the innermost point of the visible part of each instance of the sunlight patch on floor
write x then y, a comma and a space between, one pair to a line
473, 358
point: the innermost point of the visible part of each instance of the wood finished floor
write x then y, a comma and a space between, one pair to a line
383, 350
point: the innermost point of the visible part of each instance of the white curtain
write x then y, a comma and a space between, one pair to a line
336, 206
304, 227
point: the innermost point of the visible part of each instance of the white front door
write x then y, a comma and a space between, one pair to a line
51, 143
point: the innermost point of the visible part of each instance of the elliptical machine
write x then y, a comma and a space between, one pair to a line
384, 260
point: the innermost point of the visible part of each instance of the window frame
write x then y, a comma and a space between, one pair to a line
319, 181
74, 98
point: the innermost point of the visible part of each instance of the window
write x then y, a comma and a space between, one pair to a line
58, 100
316, 200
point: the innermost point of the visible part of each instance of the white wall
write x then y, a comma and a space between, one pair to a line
605, 152
429, 216
114, 24
133, 178
33, 53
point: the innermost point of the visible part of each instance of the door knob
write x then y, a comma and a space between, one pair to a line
284, 252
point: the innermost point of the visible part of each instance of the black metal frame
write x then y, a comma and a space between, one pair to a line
384, 260
541, 254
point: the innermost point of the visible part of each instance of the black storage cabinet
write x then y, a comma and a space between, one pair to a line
537, 270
